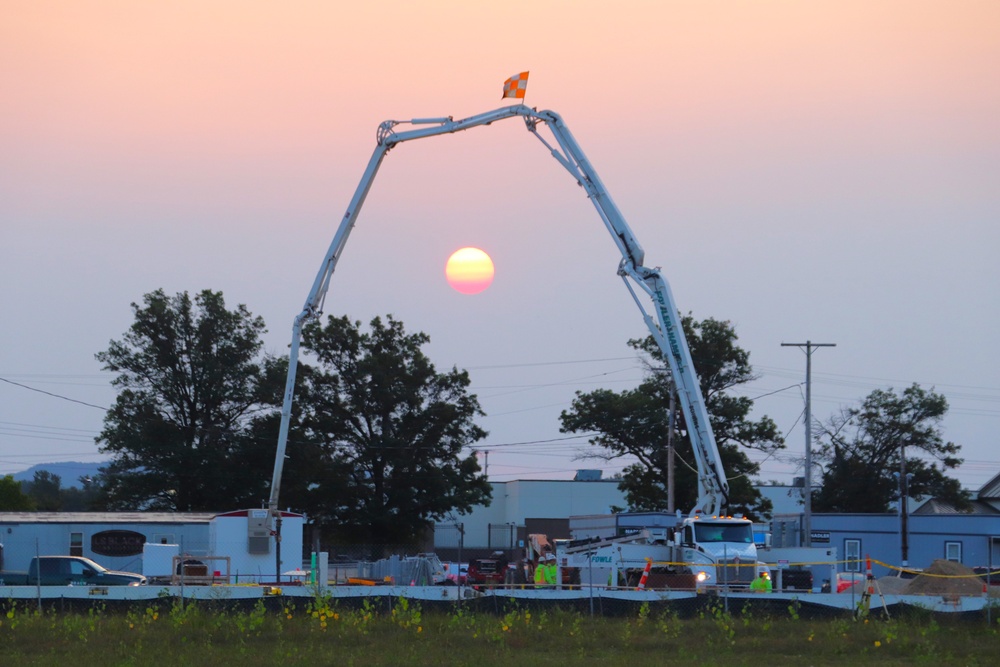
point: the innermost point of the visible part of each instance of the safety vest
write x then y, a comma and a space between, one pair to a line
761, 585
545, 574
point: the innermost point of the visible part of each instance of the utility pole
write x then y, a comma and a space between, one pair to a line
904, 501
671, 423
903, 478
807, 491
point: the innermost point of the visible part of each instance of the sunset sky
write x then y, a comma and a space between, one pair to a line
816, 170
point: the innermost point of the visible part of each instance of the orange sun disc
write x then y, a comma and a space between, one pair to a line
469, 270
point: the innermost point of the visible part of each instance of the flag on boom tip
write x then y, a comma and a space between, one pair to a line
515, 86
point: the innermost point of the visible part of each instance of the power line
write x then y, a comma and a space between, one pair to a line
49, 393
543, 446
776, 391
864, 380
46, 426
547, 363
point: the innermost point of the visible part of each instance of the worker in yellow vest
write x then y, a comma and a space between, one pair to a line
545, 573
762, 584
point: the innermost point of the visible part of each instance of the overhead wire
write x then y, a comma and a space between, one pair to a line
823, 378
49, 393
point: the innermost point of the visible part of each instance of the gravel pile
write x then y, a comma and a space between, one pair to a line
893, 585
952, 579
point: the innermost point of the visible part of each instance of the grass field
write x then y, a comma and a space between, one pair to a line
320, 634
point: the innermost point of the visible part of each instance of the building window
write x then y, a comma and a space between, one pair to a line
953, 551
852, 554
76, 544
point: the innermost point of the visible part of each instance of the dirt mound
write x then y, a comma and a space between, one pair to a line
893, 585
945, 577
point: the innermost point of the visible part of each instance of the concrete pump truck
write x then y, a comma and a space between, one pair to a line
705, 540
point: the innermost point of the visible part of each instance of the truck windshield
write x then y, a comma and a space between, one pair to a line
723, 532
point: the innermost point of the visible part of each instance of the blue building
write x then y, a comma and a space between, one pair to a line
934, 530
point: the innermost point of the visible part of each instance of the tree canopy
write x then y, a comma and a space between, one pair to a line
12, 498
386, 431
45, 489
376, 445
860, 448
191, 377
634, 423
49, 495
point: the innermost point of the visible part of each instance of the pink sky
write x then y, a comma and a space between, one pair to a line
823, 170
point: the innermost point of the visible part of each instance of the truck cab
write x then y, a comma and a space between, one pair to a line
719, 549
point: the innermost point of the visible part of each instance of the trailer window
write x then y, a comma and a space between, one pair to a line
76, 544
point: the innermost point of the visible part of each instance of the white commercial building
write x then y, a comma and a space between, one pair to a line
235, 543
517, 500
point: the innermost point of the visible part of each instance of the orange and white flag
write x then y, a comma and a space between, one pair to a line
515, 86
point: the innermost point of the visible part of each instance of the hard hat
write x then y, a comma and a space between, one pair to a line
550, 557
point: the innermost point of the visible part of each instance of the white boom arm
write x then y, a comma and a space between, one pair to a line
666, 328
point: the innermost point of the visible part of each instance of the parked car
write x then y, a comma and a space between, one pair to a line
848, 580
487, 571
992, 576
69, 571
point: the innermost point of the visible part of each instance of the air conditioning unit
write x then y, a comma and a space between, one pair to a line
258, 532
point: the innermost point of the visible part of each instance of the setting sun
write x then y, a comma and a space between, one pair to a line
469, 270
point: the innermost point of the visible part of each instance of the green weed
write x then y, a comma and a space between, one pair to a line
322, 633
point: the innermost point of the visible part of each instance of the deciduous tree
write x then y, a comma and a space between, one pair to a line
860, 449
634, 423
393, 434
45, 490
12, 498
190, 377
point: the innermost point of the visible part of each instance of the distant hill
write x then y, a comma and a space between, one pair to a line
69, 472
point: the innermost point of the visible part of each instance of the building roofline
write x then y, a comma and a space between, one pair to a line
990, 490
107, 517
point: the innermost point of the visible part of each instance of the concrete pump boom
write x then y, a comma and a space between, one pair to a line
713, 489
